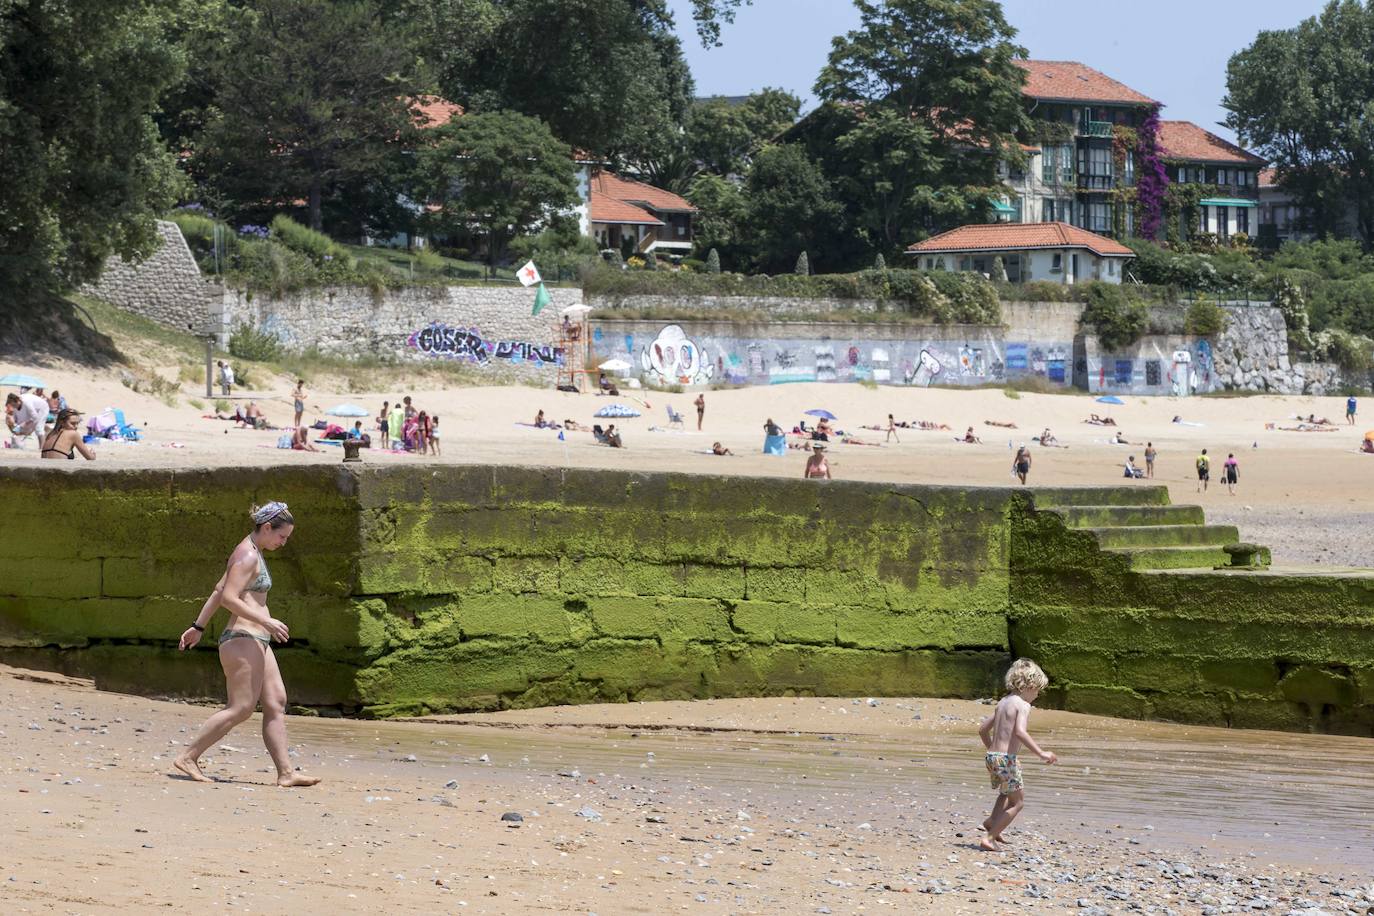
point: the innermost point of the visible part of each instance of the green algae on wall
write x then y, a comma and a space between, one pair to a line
423, 589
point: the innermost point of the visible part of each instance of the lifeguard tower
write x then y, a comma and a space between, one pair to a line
574, 340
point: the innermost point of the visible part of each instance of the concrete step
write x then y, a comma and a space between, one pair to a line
1191, 557
1129, 516
1166, 536
1140, 495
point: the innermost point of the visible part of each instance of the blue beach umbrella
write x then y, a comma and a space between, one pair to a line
823, 414
347, 410
616, 411
1111, 399
20, 380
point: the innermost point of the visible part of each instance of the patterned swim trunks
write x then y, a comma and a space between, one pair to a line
1005, 772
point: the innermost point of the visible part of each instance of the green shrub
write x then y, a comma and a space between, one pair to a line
196, 228
1038, 291
222, 406
1354, 353
265, 265
880, 263
1115, 315
1205, 319
713, 262
803, 268
247, 342
651, 261
315, 245
692, 264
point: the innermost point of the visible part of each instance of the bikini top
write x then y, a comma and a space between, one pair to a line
263, 581
69, 453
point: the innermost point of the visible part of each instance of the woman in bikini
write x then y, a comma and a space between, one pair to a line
64, 439
245, 648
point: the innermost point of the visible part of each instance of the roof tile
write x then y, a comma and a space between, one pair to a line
603, 208
1186, 140
1070, 81
1020, 237
637, 192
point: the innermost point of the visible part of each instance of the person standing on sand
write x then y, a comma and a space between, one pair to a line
1002, 734
700, 402
1150, 459
396, 422
1021, 464
1204, 471
1350, 406
892, 430
817, 468
1230, 472
384, 424
298, 401
434, 448
245, 648
226, 378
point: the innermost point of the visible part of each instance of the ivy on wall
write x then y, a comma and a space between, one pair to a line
1152, 181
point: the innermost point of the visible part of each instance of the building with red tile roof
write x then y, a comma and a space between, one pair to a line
1185, 140
1195, 155
626, 214
1070, 81
1056, 252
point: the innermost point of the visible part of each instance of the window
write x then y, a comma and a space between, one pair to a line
963, 263
930, 263
1057, 264
681, 230
1049, 158
1098, 217
1066, 164
1129, 162
1111, 267
1243, 220
1203, 221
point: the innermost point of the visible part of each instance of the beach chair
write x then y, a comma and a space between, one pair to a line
599, 433
674, 418
125, 429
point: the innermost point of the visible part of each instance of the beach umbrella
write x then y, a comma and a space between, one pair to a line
20, 380
347, 410
617, 411
576, 311
823, 414
1111, 399
615, 365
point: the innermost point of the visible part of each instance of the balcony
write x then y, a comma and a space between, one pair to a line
1095, 129
1096, 182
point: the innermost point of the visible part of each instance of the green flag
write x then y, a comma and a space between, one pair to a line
541, 299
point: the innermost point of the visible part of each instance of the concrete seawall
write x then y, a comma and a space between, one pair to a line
458, 588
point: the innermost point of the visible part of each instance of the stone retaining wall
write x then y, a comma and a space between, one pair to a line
167, 287
460, 588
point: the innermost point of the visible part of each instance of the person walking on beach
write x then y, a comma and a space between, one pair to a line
701, 409
298, 401
1204, 471
226, 378
1150, 453
1350, 406
892, 430
434, 436
1230, 472
384, 424
1020, 465
816, 466
1003, 733
245, 648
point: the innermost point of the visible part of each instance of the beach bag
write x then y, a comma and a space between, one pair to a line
284, 440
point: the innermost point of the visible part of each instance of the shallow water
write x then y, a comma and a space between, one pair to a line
1288, 799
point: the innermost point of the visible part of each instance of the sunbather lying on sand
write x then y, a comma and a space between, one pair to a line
1002, 425
718, 449
931, 424
1095, 420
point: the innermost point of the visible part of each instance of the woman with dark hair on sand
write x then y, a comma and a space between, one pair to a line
245, 649
64, 439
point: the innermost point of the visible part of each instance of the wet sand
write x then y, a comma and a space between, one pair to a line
727, 806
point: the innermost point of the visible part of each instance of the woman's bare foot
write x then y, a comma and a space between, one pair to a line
191, 768
987, 844
292, 780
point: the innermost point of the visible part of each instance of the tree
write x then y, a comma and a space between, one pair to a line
880, 263
921, 102
1301, 97
500, 173
721, 211
82, 169
803, 268
722, 135
789, 205
713, 262
608, 76
312, 94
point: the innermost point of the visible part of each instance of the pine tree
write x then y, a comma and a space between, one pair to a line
803, 268
880, 263
713, 262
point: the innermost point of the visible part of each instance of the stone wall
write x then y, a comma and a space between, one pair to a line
475, 587
167, 287
487, 325
1252, 355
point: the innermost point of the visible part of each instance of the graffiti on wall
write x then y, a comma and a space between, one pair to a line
443, 342
673, 359
925, 370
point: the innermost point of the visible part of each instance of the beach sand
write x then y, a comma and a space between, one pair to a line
729, 806
1306, 495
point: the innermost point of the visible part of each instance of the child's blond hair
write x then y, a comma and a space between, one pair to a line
1025, 674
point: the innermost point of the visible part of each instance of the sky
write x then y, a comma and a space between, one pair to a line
1171, 50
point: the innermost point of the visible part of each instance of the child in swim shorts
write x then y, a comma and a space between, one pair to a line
1003, 733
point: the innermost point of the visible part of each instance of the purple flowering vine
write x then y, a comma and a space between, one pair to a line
1153, 182
260, 232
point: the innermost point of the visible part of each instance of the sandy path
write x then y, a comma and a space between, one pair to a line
1301, 493
818, 805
